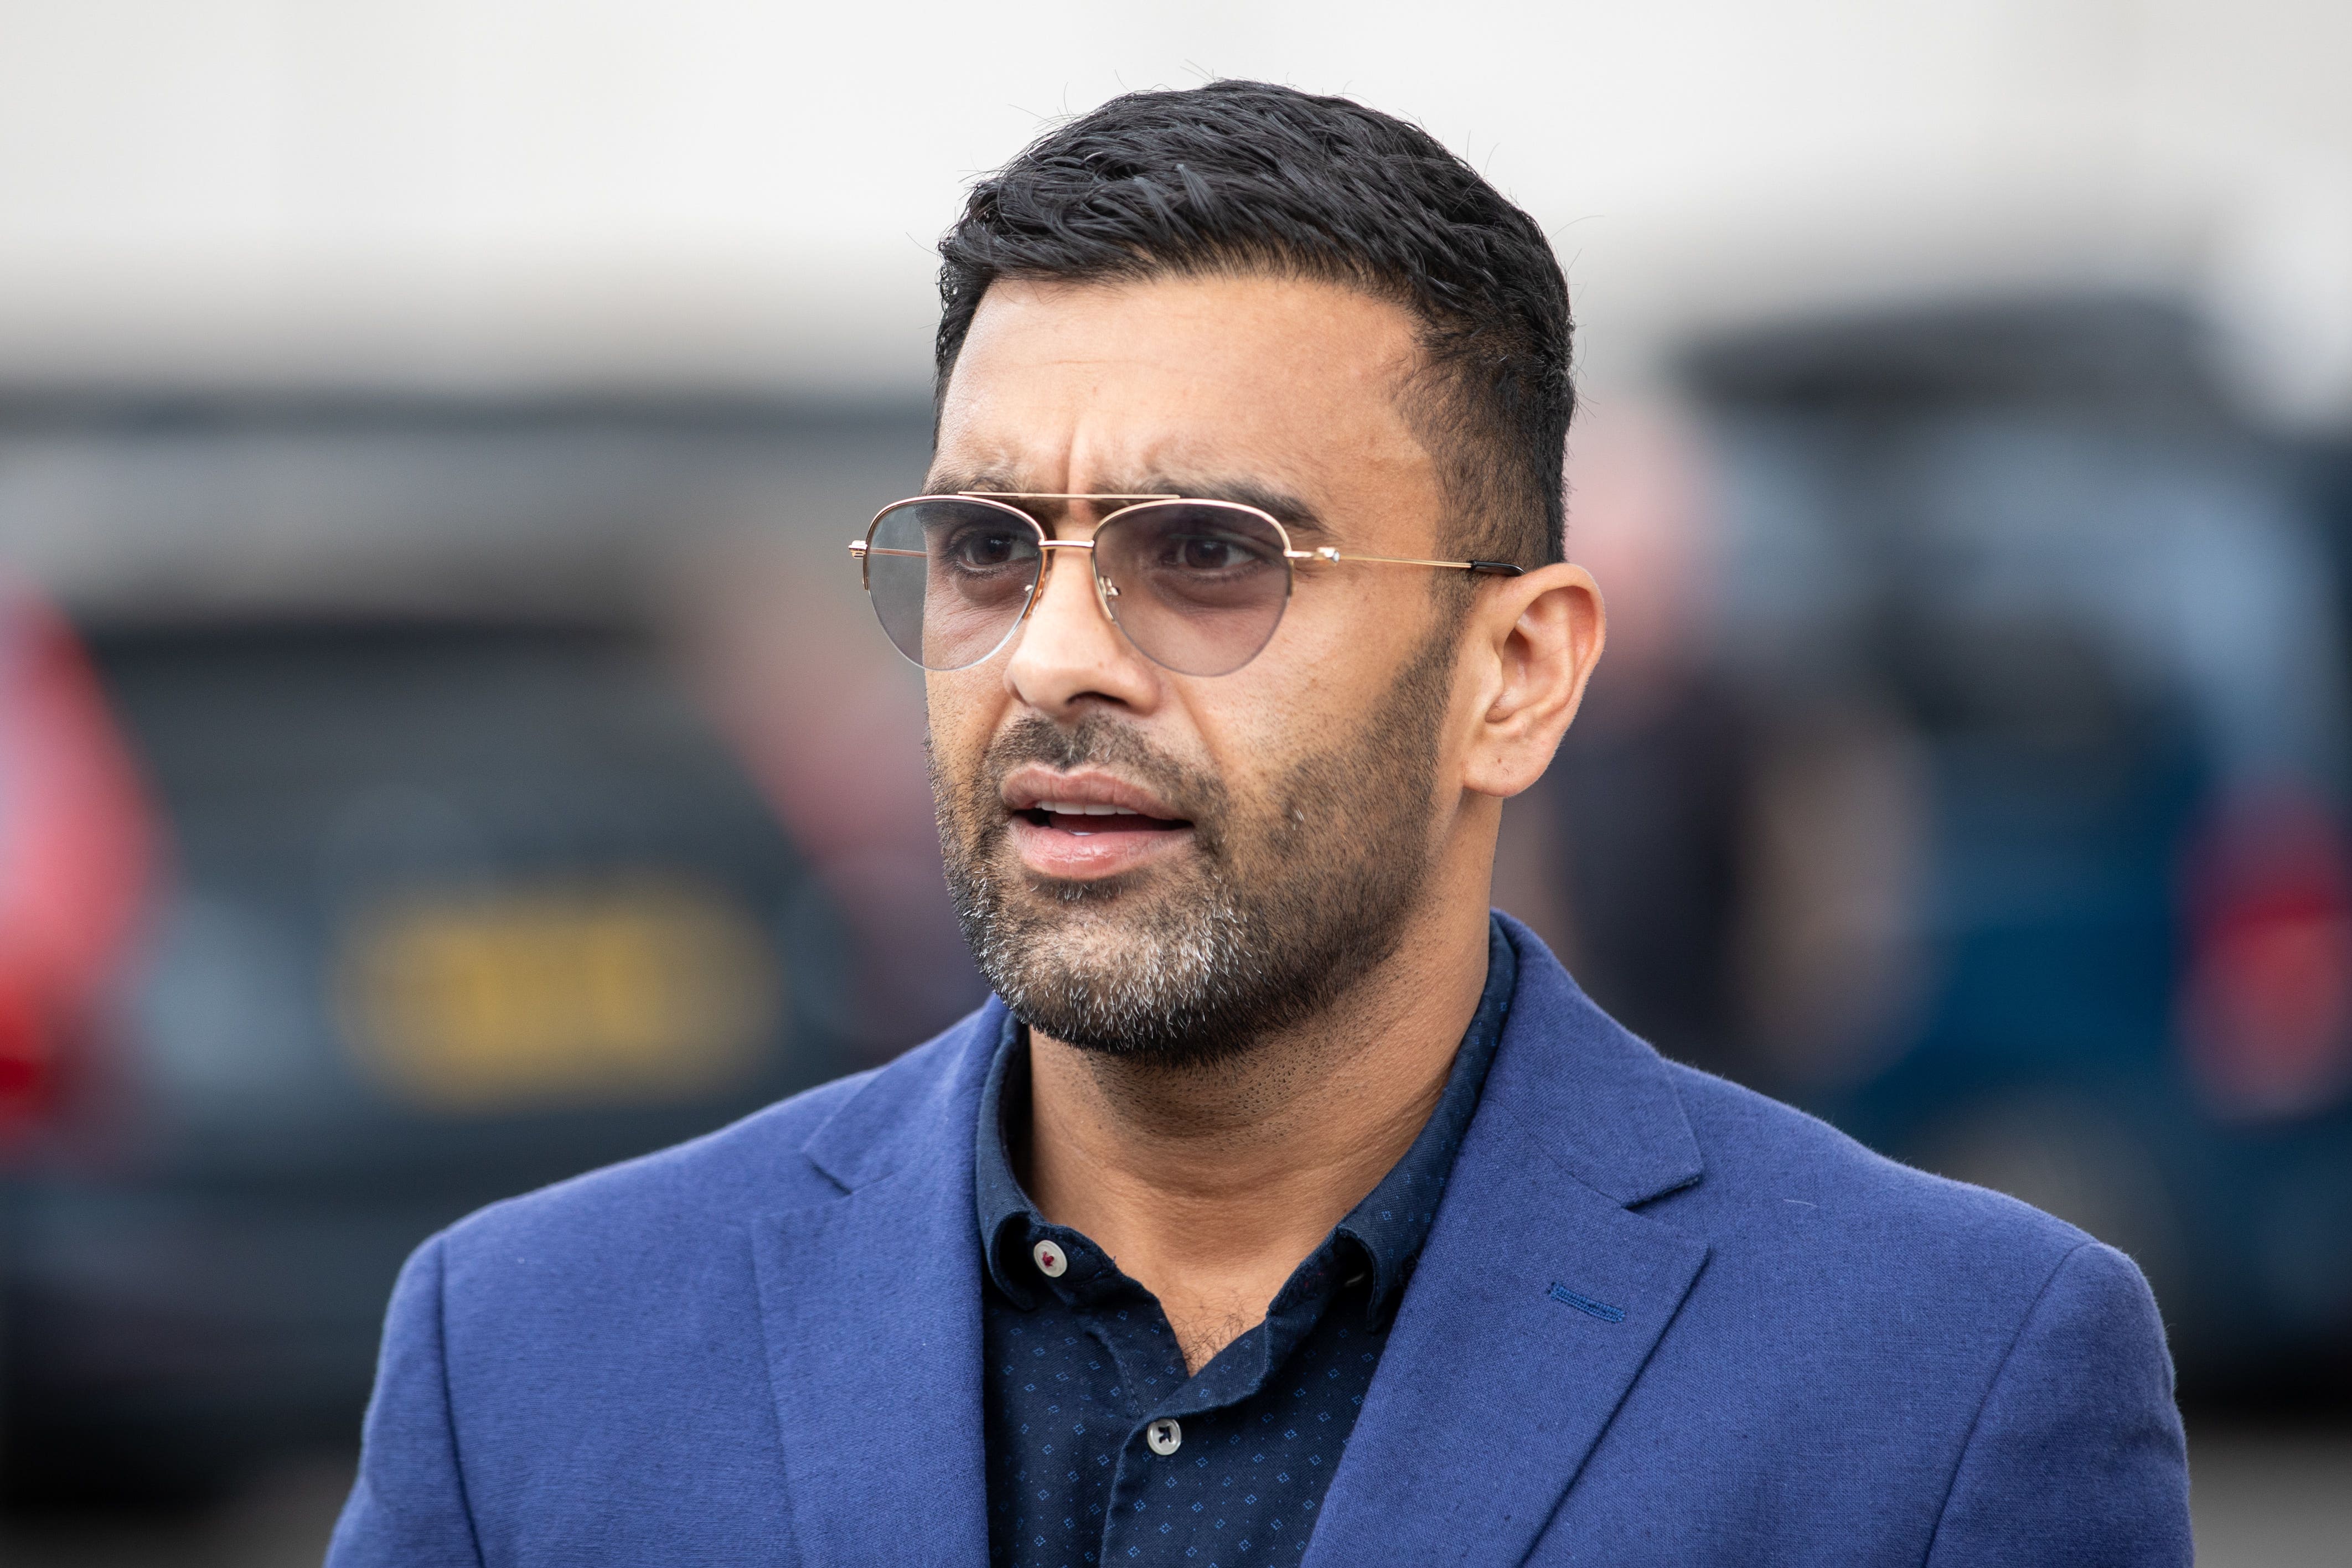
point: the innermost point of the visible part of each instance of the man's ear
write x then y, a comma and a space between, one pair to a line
1536, 638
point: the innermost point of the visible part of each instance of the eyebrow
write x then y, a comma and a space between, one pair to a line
1286, 509
1293, 514
968, 481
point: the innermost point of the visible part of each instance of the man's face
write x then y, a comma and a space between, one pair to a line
1269, 830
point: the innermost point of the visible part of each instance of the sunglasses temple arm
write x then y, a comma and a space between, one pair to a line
1482, 568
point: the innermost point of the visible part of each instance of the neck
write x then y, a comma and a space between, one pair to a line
1209, 1184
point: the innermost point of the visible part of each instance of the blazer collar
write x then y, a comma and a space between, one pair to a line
920, 1108
1606, 1099
1540, 1298
870, 1304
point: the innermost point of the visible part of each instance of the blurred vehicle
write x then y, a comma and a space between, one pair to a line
331, 911
2045, 879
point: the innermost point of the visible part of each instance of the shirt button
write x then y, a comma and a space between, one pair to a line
1165, 1437
1051, 1261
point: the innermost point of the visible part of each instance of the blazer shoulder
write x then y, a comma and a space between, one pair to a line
1770, 1165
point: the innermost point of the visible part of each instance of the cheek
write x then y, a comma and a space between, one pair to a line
957, 717
1353, 623
1348, 742
1327, 672
1259, 739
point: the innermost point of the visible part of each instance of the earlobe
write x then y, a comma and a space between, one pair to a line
1547, 630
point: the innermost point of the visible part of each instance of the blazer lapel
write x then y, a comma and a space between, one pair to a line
871, 1304
1538, 1298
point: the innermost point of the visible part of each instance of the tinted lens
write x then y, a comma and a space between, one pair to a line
1197, 585
949, 578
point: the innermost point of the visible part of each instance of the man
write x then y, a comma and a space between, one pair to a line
1286, 1206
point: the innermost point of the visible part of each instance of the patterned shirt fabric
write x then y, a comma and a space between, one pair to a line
1101, 1449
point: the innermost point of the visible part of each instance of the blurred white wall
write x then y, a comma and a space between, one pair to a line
558, 192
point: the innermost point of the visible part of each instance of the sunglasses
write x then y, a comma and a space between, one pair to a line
1198, 587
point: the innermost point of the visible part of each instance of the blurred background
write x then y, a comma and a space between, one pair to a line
443, 746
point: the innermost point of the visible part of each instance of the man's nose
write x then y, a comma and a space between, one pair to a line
1069, 651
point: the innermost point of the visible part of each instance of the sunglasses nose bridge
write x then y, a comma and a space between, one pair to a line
1105, 589
1072, 643
1047, 547
1104, 592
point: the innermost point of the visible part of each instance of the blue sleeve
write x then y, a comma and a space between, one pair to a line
408, 1506
2077, 1456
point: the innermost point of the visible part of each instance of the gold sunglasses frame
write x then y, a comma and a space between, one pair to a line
863, 550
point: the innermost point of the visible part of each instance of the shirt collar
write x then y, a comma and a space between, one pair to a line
1389, 1225
1002, 1204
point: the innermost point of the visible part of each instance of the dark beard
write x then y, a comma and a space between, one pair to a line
1282, 915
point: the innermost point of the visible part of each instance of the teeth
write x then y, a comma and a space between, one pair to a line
1060, 809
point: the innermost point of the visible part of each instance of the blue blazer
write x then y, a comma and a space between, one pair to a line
1660, 1320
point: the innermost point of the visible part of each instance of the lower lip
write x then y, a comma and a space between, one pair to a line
1087, 856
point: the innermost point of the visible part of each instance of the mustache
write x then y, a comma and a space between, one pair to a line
1099, 741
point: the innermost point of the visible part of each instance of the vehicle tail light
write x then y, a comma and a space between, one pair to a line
28, 1068
75, 846
2266, 1003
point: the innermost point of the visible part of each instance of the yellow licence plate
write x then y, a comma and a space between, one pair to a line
640, 991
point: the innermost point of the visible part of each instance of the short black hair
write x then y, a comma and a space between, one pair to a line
1243, 176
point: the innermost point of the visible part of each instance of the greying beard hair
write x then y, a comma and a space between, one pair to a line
1283, 917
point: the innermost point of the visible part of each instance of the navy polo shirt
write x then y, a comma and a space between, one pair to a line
1101, 1449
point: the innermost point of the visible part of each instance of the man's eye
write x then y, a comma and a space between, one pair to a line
1199, 554
979, 552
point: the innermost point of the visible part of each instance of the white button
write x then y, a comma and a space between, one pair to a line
1050, 1260
1165, 1437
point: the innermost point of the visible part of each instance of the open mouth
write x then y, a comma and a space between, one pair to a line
1088, 824
1086, 820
